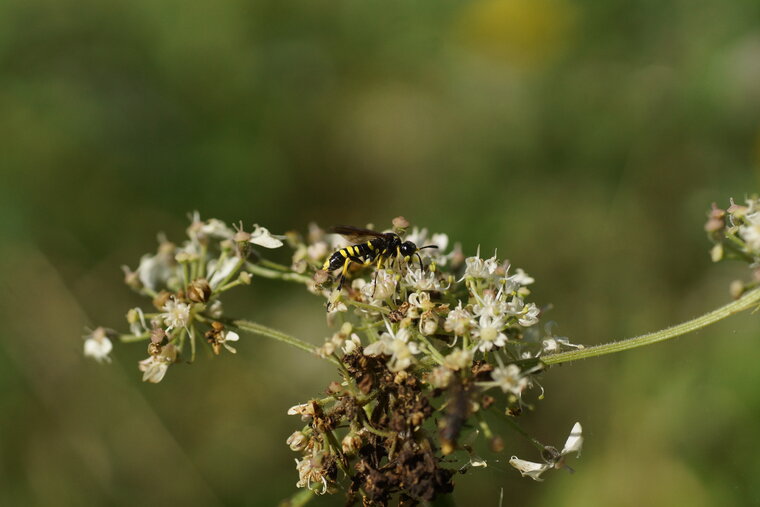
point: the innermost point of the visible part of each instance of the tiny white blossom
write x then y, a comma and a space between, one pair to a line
175, 314
215, 228
310, 470
458, 321
422, 279
420, 301
229, 336
489, 333
490, 304
458, 359
428, 323
136, 319
318, 251
98, 346
534, 470
262, 237
529, 468
527, 315
480, 268
303, 409
750, 232
155, 271
350, 345
398, 346
440, 377
510, 380
154, 368
215, 309
555, 344
297, 441
382, 287
522, 278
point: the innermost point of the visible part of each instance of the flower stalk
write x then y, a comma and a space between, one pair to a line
747, 301
258, 329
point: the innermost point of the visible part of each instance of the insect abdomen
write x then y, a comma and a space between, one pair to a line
336, 260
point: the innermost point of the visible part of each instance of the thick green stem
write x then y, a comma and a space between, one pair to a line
252, 327
748, 300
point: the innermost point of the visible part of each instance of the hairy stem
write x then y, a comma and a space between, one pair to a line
252, 327
748, 300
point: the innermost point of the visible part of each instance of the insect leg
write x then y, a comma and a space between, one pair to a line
374, 284
343, 273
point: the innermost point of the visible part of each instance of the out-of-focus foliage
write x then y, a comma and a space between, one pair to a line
583, 140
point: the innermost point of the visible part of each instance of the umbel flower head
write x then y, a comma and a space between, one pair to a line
425, 341
184, 283
440, 334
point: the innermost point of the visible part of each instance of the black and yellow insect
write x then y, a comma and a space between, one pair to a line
372, 247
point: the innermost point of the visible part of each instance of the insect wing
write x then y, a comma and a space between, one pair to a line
355, 234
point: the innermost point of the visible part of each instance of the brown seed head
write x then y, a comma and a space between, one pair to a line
157, 335
199, 291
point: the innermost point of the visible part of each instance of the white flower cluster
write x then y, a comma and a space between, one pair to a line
453, 324
736, 231
184, 283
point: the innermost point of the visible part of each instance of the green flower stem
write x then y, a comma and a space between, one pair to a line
131, 338
748, 300
288, 276
434, 351
273, 265
252, 327
365, 306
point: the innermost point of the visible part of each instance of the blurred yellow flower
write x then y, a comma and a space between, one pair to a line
522, 32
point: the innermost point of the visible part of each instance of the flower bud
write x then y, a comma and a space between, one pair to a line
428, 324
297, 441
157, 335
400, 223
351, 443
716, 252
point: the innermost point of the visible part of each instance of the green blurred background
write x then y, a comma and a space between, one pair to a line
584, 140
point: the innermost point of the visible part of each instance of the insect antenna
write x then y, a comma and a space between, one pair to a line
422, 248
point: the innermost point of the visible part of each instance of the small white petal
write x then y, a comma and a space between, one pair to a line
262, 237
155, 372
375, 349
574, 441
529, 468
231, 336
98, 348
221, 272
